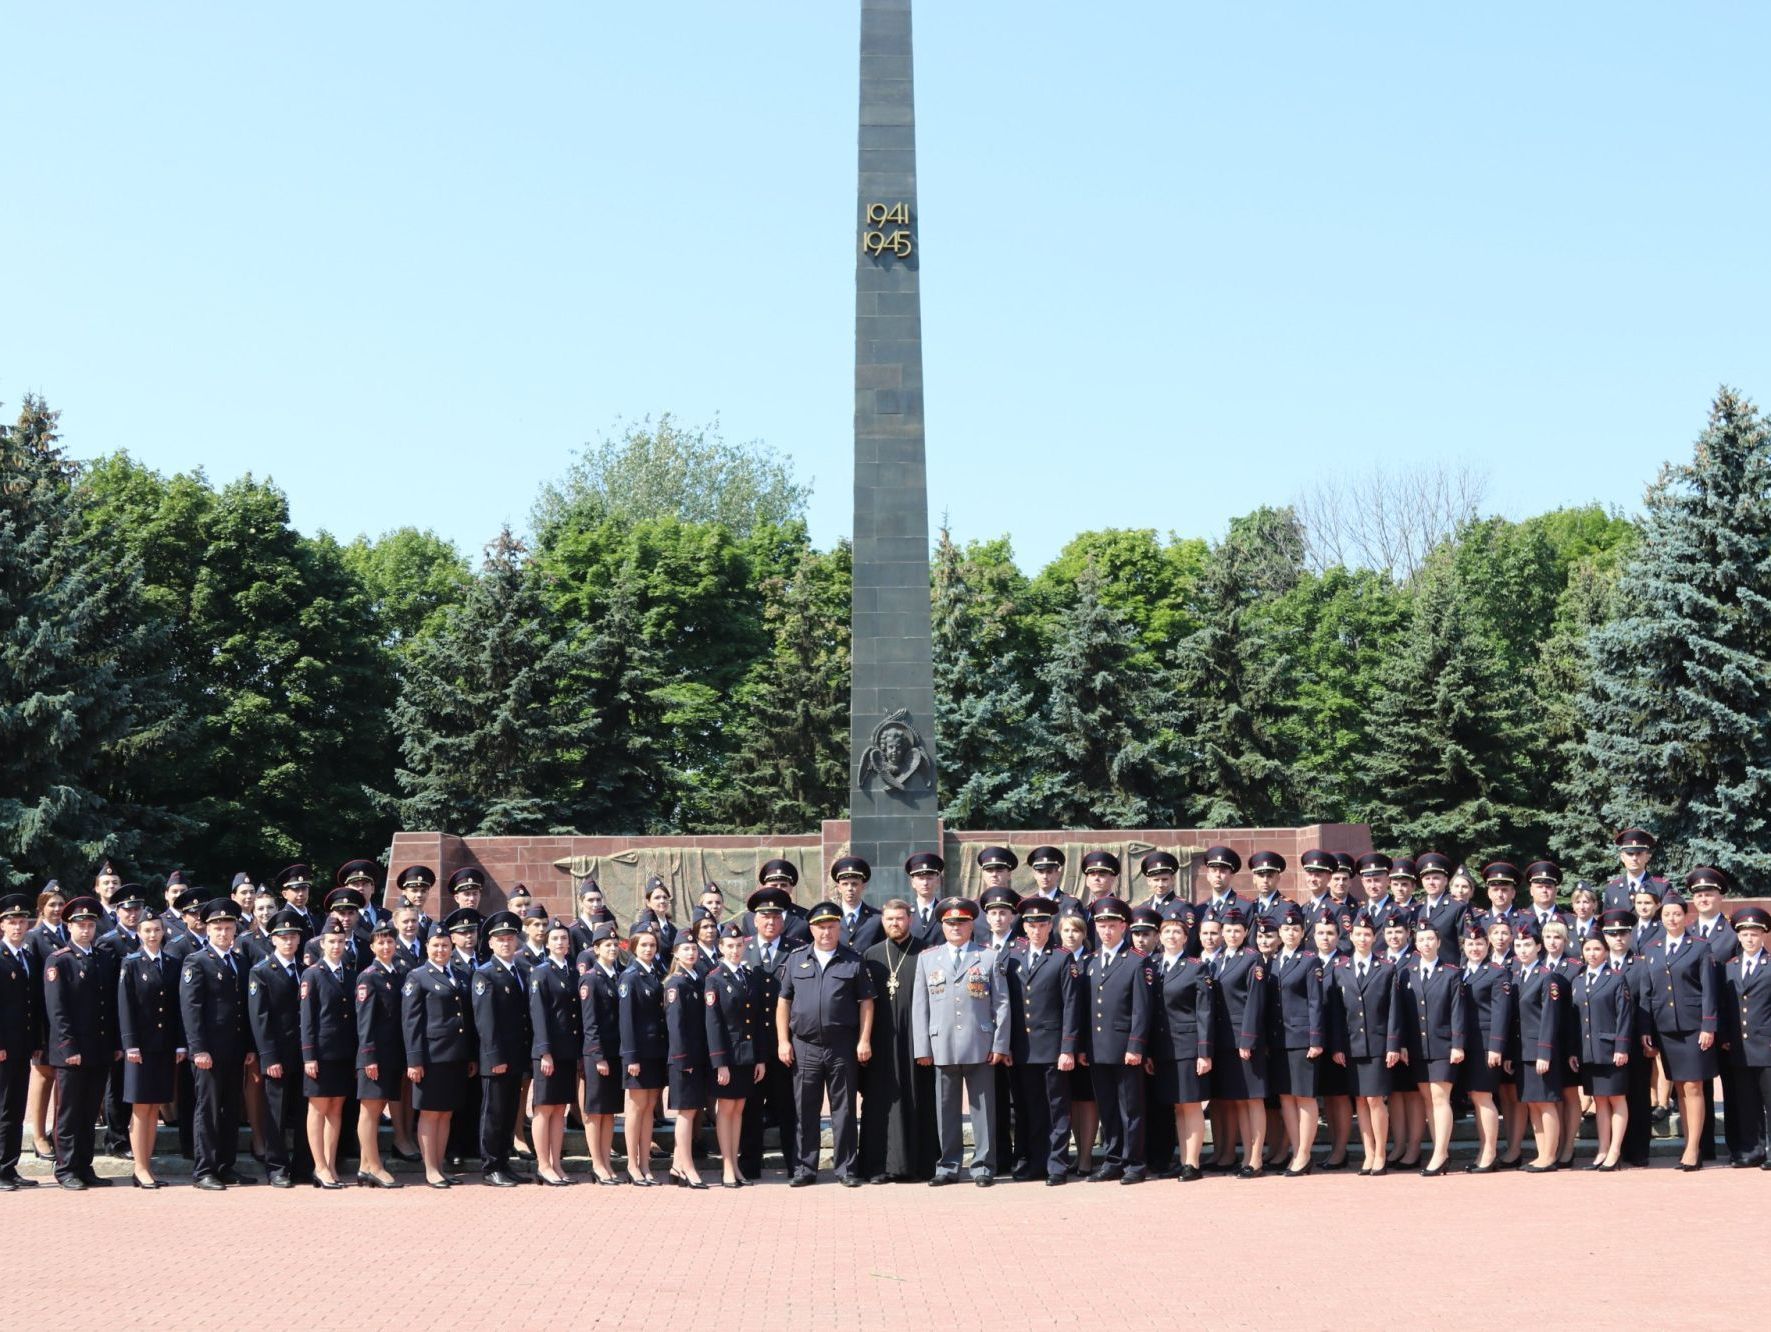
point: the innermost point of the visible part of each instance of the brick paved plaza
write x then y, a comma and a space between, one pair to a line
771, 1258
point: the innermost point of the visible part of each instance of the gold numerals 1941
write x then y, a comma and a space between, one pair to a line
888, 230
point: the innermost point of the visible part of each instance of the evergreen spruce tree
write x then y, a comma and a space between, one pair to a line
1229, 677
1677, 715
1447, 733
83, 701
984, 699
1102, 747
488, 737
789, 770
624, 780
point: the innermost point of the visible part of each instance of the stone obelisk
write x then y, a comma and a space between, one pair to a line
892, 796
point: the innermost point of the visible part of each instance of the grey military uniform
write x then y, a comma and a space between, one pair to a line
959, 1017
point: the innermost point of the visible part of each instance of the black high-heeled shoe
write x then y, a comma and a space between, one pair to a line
643, 1182
368, 1180
141, 1183
610, 1181
406, 1156
440, 1183
683, 1181
1474, 1169
1432, 1172
1296, 1174
1680, 1165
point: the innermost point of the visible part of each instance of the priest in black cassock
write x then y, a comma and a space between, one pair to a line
897, 1097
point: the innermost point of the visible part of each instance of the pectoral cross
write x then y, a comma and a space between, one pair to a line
891, 986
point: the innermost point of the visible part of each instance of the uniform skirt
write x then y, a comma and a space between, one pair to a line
1177, 1082
152, 1081
1542, 1088
1082, 1085
688, 1086
1333, 1079
338, 1077
1605, 1079
1681, 1058
384, 1088
602, 1091
743, 1078
1301, 1072
558, 1088
444, 1087
1474, 1075
1369, 1077
1234, 1078
652, 1075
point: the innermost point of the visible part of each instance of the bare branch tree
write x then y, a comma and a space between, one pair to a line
1387, 520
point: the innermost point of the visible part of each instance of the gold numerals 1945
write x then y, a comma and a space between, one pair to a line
888, 230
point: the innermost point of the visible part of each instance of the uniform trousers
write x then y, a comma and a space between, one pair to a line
1045, 1091
820, 1069
501, 1096
773, 1100
977, 1082
1747, 1100
116, 1111
15, 1082
217, 1126
464, 1128
1638, 1137
286, 1107
79, 1094
1119, 1094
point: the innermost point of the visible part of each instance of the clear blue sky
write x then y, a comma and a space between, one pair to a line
1178, 260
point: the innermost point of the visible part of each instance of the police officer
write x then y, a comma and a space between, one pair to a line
463, 926
1047, 1010
1544, 878
415, 883
21, 1032
860, 920
346, 906
736, 1018
1120, 995
328, 1047
436, 1018
824, 1029
1373, 869
273, 1009
80, 1009
1009, 1141
1440, 909
1159, 869
212, 1003
599, 1010
927, 873
1746, 1034
1635, 848
361, 875
1047, 864
1500, 879
1267, 867
1221, 864
959, 1023
501, 1018
465, 887
380, 1051
773, 1102
295, 882
781, 876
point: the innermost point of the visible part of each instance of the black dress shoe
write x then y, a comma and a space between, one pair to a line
938, 1181
498, 1179
731, 1183
877, 1179
1250, 1172
1531, 1169
1474, 1169
209, 1184
1023, 1175
1190, 1174
95, 1181
847, 1181
1132, 1177
454, 1179
1105, 1174
228, 1175
802, 1178
76, 1185
1296, 1174
1380, 1172
439, 1183
1334, 1165
280, 1180
984, 1181
1052, 1181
